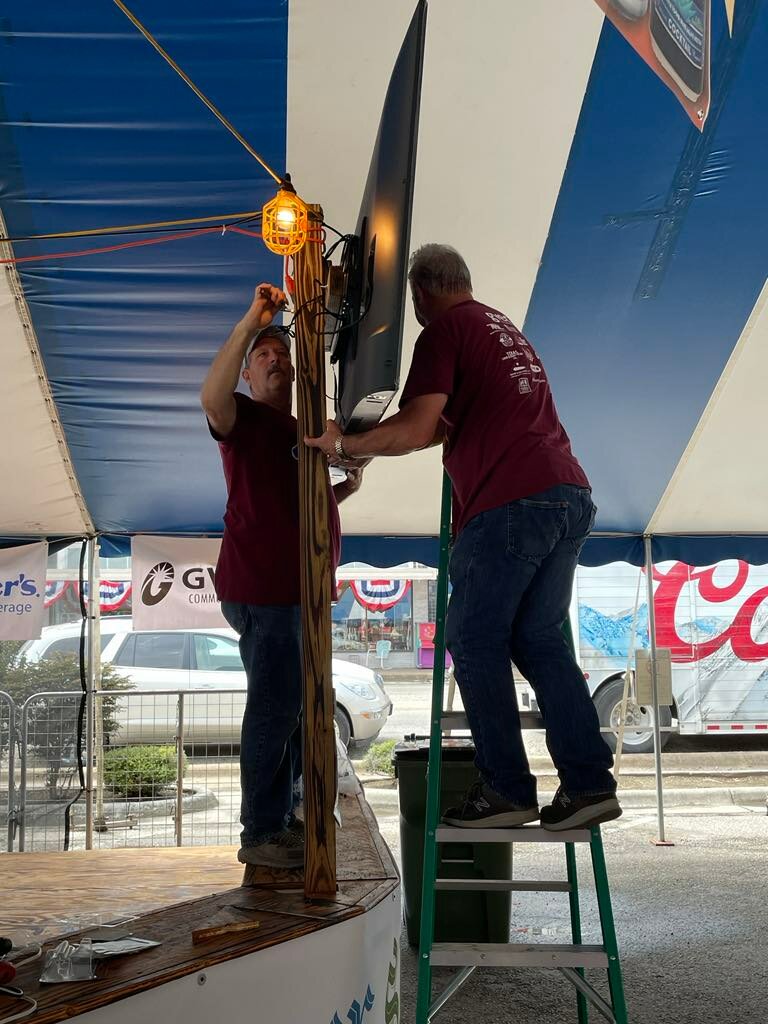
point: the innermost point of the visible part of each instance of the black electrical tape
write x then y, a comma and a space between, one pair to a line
5, 946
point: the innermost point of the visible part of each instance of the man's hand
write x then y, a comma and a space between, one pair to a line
268, 301
351, 485
415, 426
354, 479
326, 441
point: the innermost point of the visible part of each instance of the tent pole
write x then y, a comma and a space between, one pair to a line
94, 672
655, 689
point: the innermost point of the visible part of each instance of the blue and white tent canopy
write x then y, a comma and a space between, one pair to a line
633, 248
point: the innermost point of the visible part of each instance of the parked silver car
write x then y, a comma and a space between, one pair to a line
205, 665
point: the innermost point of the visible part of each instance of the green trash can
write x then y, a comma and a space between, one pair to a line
459, 916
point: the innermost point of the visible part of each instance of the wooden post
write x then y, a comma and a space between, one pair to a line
316, 579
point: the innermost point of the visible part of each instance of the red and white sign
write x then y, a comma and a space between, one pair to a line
711, 591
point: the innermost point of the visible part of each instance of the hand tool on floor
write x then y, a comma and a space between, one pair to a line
200, 935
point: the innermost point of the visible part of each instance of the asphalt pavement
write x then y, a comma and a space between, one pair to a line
690, 916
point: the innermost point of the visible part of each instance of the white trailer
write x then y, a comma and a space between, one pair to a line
714, 621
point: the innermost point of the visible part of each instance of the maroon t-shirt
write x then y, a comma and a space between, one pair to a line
504, 440
259, 557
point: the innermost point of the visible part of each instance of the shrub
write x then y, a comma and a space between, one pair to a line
378, 760
53, 723
141, 770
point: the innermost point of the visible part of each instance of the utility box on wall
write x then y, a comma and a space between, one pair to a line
644, 677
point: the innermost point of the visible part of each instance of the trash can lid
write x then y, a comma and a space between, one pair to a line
455, 748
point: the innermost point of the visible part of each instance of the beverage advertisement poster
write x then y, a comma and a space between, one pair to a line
673, 38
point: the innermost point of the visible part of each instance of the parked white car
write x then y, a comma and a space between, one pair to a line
203, 664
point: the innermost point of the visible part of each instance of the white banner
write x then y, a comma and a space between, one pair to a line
173, 582
22, 591
350, 974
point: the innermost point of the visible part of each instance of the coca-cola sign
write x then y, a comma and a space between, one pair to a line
670, 586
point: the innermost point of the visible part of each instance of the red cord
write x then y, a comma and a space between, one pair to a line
115, 248
244, 231
7, 972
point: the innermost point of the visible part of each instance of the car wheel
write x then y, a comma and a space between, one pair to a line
638, 729
344, 725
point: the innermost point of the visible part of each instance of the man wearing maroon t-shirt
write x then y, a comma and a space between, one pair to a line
522, 511
257, 575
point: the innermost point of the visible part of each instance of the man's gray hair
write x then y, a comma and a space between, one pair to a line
439, 270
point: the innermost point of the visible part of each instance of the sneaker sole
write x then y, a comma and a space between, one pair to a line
597, 814
507, 819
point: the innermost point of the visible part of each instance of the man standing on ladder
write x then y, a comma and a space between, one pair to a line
522, 511
257, 575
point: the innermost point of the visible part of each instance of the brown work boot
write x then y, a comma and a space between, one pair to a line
284, 850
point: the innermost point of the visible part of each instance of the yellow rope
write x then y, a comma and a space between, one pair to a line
201, 96
139, 227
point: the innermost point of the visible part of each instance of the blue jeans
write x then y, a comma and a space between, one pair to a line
512, 571
270, 745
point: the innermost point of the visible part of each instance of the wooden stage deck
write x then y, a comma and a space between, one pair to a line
170, 893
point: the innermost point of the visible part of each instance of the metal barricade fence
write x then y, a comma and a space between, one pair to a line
167, 773
8, 741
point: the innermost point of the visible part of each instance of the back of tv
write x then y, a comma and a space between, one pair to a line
370, 342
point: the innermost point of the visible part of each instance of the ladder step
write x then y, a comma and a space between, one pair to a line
498, 885
458, 720
514, 954
525, 834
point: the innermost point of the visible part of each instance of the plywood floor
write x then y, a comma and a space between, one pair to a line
170, 892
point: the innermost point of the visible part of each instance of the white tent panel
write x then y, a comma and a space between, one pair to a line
497, 121
723, 474
40, 494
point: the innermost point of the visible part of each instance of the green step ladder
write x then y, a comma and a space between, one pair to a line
570, 959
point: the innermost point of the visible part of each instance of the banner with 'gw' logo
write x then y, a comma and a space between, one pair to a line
173, 583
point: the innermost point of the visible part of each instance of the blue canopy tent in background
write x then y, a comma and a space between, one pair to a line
651, 239
633, 248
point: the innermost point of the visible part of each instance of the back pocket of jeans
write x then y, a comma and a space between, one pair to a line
236, 615
534, 527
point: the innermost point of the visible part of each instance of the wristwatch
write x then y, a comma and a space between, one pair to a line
338, 447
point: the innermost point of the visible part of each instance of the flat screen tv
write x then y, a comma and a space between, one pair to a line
370, 339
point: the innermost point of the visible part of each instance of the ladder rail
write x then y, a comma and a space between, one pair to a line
587, 992
570, 960
573, 902
426, 929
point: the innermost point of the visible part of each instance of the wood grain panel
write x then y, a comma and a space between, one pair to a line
316, 575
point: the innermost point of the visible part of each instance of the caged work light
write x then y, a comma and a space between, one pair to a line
285, 222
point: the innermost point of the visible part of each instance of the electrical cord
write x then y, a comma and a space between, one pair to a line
336, 231
83, 698
224, 220
38, 952
73, 254
17, 993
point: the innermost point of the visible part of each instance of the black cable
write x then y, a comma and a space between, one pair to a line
344, 240
336, 231
300, 309
83, 699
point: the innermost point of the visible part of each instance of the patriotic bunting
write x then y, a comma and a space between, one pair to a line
379, 595
112, 594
